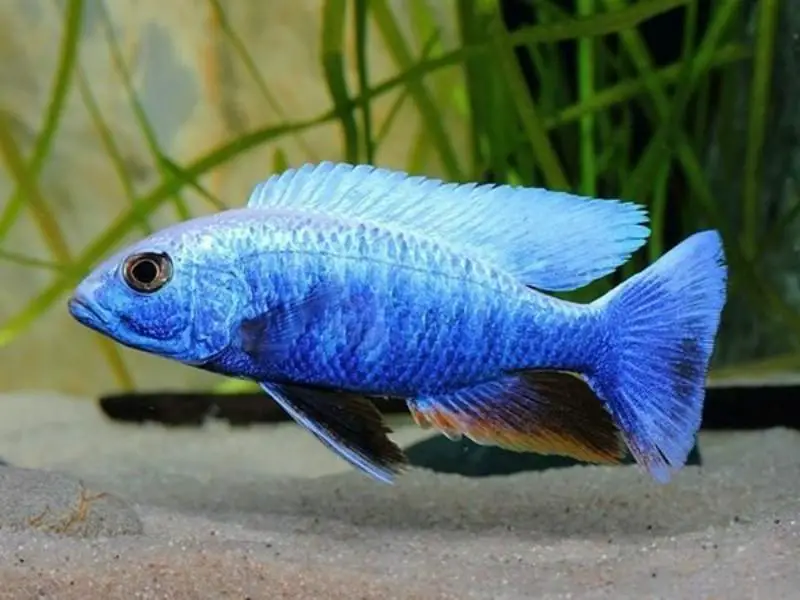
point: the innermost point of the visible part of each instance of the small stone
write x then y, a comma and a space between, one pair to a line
59, 504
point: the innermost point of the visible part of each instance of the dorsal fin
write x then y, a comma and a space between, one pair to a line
549, 240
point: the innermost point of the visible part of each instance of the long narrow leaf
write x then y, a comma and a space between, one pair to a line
756, 122
570, 29
434, 122
52, 233
401, 99
181, 208
361, 11
111, 148
658, 150
631, 88
28, 261
586, 90
544, 153
73, 18
333, 38
250, 64
122, 225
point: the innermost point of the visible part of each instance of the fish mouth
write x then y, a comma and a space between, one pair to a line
84, 313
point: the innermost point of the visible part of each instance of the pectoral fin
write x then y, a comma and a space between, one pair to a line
272, 333
548, 412
347, 424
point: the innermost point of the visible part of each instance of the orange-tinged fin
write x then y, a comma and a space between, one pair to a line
435, 420
547, 412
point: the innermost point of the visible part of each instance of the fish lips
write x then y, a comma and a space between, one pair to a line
85, 313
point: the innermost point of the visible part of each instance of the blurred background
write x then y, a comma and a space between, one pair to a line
119, 117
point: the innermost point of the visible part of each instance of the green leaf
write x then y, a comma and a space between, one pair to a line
333, 39
250, 65
586, 91
279, 161
73, 18
51, 232
757, 122
532, 124
181, 208
114, 154
122, 225
362, 65
433, 120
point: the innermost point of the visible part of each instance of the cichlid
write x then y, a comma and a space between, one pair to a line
338, 284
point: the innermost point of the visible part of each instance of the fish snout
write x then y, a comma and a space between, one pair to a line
80, 310
83, 306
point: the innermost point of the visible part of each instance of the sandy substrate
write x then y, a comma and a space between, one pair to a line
268, 513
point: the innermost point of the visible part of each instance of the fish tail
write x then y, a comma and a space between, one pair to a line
661, 325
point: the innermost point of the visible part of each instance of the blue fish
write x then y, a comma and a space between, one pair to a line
337, 285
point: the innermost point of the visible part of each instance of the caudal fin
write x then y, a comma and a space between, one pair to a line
661, 324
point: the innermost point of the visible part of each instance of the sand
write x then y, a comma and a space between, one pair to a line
267, 512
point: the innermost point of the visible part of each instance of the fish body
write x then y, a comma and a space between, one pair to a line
391, 313
339, 283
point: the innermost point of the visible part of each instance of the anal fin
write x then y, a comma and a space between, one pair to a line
435, 420
547, 412
347, 424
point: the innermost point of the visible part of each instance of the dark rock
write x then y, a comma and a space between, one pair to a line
469, 459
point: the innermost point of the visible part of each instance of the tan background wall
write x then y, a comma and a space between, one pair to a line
198, 95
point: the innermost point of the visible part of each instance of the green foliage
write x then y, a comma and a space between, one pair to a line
555, 137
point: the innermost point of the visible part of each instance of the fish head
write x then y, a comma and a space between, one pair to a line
178, 293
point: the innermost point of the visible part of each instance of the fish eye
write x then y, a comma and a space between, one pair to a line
147, 272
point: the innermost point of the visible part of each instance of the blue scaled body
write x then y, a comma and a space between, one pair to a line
340, 284
333, 303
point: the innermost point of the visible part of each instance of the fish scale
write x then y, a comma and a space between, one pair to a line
292, 258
